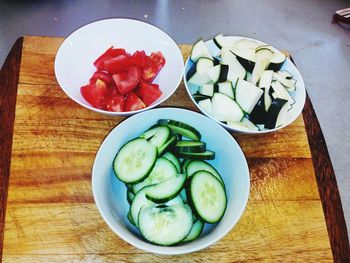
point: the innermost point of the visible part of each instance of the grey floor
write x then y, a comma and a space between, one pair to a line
321, 49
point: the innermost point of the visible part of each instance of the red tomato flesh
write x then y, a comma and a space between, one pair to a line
149, 93
115, 64
133, 102
95, 94
127, 80
110, 53
139, 58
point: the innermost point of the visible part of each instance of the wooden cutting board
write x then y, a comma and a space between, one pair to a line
51, 215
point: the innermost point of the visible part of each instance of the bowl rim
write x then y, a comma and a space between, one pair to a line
171, 250
116, 19
249, 131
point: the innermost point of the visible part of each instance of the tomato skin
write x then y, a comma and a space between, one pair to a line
115, 64
127, 80
115, 103
139, 58
95, 94
158, 58
148, 93
102, 75
109, 53
133, 102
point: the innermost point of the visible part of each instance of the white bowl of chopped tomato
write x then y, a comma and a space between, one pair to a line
119, 66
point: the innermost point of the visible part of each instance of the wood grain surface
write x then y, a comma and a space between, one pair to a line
51, 215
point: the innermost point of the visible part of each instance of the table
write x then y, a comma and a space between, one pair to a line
48, 144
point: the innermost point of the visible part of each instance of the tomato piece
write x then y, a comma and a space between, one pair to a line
127, 80
101, 75
149, 93
133, 102
115, 103
158, 58
109, 53
150, 70
95, 94
115, 64
139, 58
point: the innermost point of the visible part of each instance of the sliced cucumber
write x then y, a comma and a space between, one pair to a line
207, 155
157, 136
183, 195
130, 196
200, 50
172, 158
139, 201
196, 230
225, 108
177, 200
184, 164
166, 190
207, 196
165, 225
182, 129
130, 218
247, 95
163, 170
190, 146
172, 140
195, 166
135, 160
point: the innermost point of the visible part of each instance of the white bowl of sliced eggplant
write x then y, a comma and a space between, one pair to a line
245, 85
170, 181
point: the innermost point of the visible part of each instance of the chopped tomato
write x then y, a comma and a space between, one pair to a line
110, 53
95, 94
115, 64
158, 58
150, 70
133, 102
104, 76
127, 80
149, 93
115, 103
139, 58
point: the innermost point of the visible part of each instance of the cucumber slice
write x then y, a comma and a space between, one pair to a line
182, 129
166, 190
207, 155
183, 195
130, 218
158, 135
172, 140
165, 225
196, 230
163, 170
195, 166
207, 196
184, 164
177, 200
190, 146
172, 158
130, 196
139, 202
134, 161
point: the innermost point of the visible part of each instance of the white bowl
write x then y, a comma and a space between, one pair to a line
75, 57
110, 194
299, 95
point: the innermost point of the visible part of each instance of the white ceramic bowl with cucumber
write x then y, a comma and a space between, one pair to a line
245, 85
170, 181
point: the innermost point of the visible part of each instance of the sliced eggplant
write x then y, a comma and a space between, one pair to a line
277, 113
247, 95
248, 76
246, 122
267, 98
289, 84
225, 108
198, 97
277, 61
281, 92
265, 79
262, 61
226, 88
200, 50
200, 67
206, 106
207, 90
286, 74
258, 114
217, 73
221, 41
